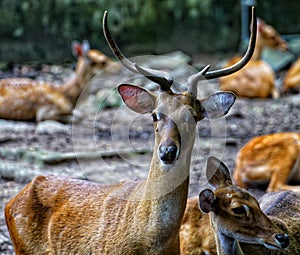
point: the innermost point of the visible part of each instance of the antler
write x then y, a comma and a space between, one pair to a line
193, 80
163, 79
239, 65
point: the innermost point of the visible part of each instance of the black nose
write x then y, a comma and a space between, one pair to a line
168, 154
283, 239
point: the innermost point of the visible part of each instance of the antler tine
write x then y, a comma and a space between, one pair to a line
193, 80
239, 65
163, 79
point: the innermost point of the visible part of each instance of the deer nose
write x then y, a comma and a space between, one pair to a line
168, 154
283, 239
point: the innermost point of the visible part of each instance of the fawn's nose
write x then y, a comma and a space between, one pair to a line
168, 154
283, 239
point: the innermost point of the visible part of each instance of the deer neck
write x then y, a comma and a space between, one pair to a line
258, 48
225, 245
75, 85
166, 191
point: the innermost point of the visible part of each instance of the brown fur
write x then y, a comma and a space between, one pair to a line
196, 233
59, 215
277, 212
272, 159
26, 99
291, 80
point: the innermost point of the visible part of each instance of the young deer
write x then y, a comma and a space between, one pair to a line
236, 215
273, 159
291, 81
60, 215
27, 99
257, 79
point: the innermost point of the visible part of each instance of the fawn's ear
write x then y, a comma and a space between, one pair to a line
80, 50
217, 173
76, 49
217, 105
137, 98
206, 200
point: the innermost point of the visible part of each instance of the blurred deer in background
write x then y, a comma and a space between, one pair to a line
196, 234
27, 99
241, 225
60, 215
257, 78
291, 81
272, 159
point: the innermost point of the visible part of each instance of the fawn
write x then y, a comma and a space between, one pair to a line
257, 79
27, 99
236, 220
272, 159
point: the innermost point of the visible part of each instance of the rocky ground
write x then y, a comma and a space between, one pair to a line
111, 143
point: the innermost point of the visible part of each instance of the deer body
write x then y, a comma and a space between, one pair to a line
272, 159
27, 99
291, 81
114, 220
59, 215
257, 79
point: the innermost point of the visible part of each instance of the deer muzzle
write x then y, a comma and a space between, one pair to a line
168, 154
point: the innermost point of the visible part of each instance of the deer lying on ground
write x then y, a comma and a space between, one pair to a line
257, 79
240, 226
273, 159
27, 99
61, 215
291, 81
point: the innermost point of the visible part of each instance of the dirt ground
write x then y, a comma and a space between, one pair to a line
113, 144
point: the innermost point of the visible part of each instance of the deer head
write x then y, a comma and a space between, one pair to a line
236, 214
171, 111
270, 37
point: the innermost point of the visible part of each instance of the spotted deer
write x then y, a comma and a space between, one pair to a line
240, 224
27, 99
61, 215
257, 79
272, 159
291, 81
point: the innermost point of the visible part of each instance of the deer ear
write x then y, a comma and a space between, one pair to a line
76, 49
206, 200
217, 105
217, 173
85, 47
137, 98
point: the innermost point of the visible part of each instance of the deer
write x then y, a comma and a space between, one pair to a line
257, 79
291, 81
272, 159
231, 221
27, 99
63, 215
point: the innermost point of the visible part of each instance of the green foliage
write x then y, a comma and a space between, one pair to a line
43, 30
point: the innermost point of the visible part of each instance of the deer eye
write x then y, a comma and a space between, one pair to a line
156, 116
239, 210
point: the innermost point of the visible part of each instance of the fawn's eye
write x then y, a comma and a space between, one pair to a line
242, 210
239, 210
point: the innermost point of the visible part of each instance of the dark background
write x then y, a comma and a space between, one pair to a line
41, 31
